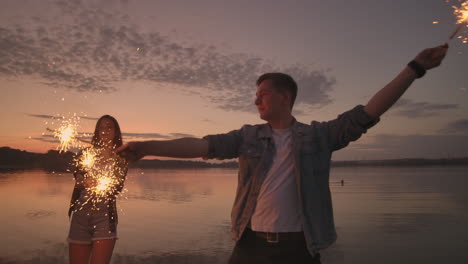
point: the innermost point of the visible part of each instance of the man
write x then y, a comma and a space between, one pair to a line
283, 210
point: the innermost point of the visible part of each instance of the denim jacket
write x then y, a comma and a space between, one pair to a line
312, 149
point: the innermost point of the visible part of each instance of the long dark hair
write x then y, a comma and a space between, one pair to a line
117, 140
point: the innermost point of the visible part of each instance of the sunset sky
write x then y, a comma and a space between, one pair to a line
169, 69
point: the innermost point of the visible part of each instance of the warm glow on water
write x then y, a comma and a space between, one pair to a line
383, 215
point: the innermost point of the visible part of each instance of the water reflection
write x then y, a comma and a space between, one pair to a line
401, 215
58, 254
37, 214
172, 185
383, 215
405, 223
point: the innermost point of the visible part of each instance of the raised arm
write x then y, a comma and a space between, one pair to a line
177, 148
387, 96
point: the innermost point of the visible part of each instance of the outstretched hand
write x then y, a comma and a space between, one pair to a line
131, 151
432, 57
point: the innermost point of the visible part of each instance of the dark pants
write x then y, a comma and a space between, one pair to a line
256, 250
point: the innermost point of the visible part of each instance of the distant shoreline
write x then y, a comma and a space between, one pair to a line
14, 159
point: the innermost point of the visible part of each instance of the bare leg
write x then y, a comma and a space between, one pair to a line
102, 251
79, 253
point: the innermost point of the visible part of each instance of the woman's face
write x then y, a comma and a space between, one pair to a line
106, 130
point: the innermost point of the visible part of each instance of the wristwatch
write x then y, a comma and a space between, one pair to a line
417, 68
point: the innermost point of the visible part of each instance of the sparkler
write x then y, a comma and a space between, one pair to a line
462, 19
67, 133
102, 177
88, 158
101, 174
103, 185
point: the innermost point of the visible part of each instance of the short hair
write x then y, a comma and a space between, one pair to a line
282, 82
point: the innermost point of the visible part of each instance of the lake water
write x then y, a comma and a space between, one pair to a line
382, 214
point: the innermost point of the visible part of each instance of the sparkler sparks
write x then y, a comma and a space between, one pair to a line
67, 133
102, 177
103, 185
108, 182
462, 19
99, 170
461, 13
88, 158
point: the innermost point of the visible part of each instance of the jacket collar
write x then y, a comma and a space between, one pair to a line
298, 128
264, 132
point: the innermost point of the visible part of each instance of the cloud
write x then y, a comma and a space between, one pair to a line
208, 121
42, 116
145, 135
86, 136
135, 136
413, 109
179, 135
49, 138
389, 146
59, 117
89, 118
46, 138
459, 126
55, 141
94, 49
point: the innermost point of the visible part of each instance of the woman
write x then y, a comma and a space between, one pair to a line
99, 177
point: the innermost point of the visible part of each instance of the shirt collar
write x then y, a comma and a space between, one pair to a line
265, 130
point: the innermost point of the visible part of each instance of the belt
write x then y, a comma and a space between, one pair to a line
276, 237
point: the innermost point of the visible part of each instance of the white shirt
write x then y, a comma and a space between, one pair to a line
277, 207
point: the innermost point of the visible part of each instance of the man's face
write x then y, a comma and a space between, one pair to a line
270, 103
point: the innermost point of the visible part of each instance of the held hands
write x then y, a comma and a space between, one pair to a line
432, 57
131, 151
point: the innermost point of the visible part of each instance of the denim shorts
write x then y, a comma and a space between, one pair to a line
88, 226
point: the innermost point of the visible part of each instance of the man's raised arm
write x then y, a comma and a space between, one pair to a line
177, 148
387, 96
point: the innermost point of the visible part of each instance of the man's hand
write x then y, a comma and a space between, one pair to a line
387, 96
131, 151
432, 57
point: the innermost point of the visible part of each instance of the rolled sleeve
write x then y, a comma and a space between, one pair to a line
347, 127
224, 146
362, 118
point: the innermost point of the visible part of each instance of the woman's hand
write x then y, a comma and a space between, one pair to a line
89, 182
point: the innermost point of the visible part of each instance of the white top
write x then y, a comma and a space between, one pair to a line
277, 207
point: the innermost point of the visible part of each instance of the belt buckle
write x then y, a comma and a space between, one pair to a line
272, 239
